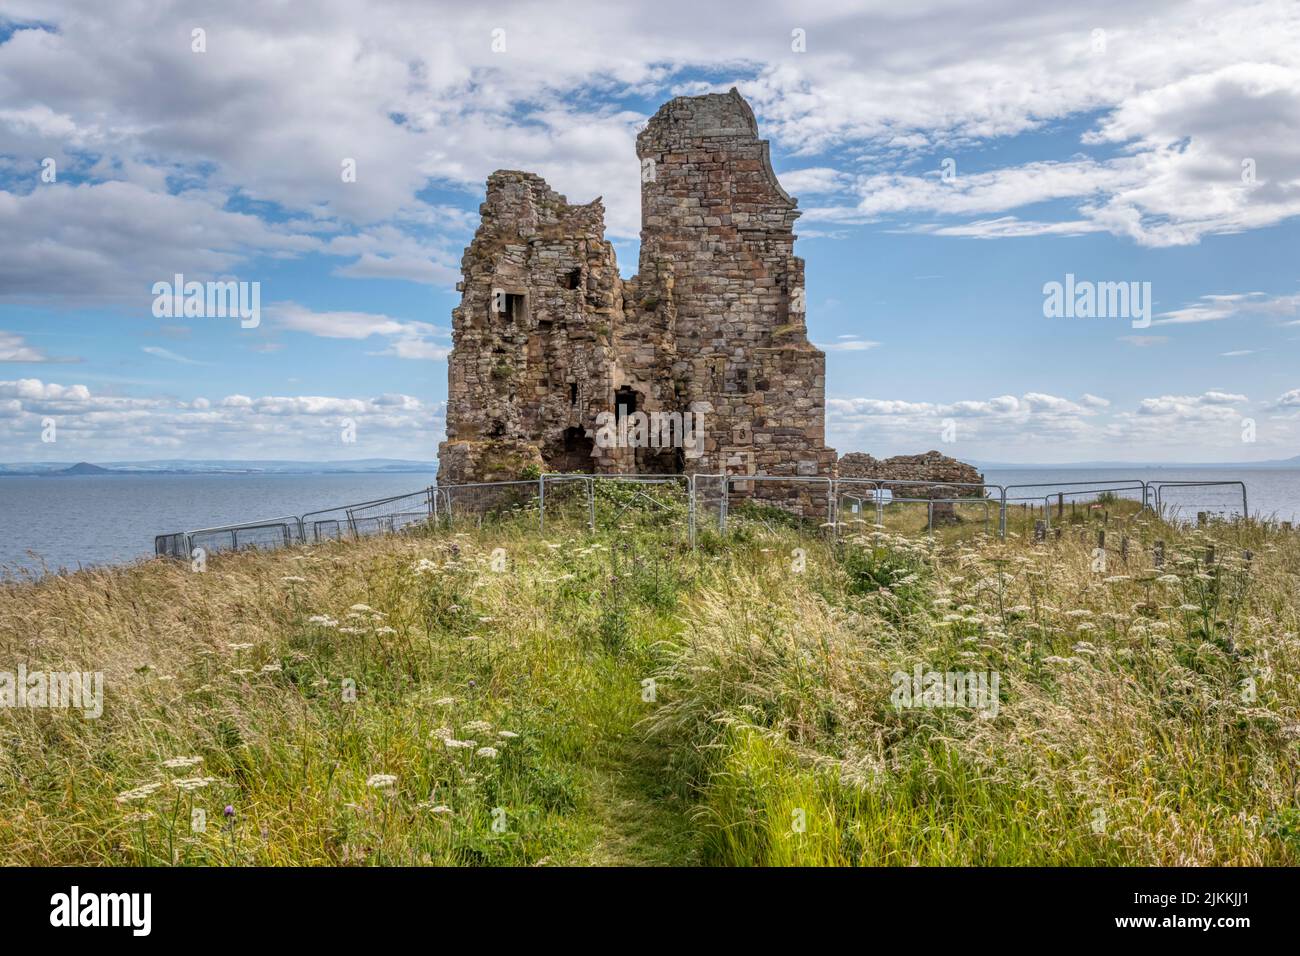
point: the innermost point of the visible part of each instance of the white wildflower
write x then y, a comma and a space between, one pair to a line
177, 762
138, 793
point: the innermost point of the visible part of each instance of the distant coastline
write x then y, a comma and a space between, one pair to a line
397, 466
1279, 463
366, 466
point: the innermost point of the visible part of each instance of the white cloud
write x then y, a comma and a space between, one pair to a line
88, 243
1008, 419
1208, 406
1215, 308
159, 352
113, 427
409, 340
1041, 427
416, 96
848, 343
14, 348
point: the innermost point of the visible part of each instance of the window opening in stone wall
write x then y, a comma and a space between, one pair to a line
511, 306
625, 401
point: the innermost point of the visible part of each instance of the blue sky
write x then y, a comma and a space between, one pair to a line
1159, 145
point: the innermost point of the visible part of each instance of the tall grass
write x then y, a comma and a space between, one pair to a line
641, 702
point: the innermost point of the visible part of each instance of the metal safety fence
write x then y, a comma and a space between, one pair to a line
695, 503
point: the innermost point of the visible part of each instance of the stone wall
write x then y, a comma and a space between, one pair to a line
718, 267
930, 466
548, 336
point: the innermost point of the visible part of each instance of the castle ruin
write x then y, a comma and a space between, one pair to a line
554, 354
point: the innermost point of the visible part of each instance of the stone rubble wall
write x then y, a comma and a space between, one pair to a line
930, 466
714, 320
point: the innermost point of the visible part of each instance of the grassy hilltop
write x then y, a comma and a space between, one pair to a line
621, 699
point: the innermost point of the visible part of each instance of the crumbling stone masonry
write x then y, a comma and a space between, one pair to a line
548, 336
930, 466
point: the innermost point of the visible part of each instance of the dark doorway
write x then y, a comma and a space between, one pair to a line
572, 452
660, 461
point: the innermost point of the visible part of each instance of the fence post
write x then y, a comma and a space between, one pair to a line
690, 511
726, 501
541, 504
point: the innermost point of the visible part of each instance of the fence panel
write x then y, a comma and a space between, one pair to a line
914, 506
275, 533
857, 505
566, 501
702, 503
1189, 500
769, 501
1056, 502
487, 502
390, 515
645, 501
708, 513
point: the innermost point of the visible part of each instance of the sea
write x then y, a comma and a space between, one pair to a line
77, 521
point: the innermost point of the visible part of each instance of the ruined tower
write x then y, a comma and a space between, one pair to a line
548, 337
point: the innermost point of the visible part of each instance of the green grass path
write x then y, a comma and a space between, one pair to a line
638, 820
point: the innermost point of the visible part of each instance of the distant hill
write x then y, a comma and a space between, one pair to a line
84, 468
1142, 465
182, 466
